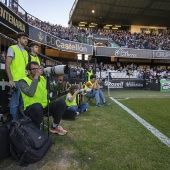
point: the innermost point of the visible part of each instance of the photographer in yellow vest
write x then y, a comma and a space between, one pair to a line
71, 102
97, 92
33, 52
16, 61
34, 94
89, 73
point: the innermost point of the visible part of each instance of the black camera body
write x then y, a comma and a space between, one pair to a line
85, 91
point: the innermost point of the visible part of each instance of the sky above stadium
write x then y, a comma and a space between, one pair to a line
53, 11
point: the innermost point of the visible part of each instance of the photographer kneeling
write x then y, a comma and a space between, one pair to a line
71, 102
34, 94
97, 93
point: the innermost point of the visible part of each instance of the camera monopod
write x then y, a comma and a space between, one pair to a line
80, 97
48, 58
48, 102
43, 56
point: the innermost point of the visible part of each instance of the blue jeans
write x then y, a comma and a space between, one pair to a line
98, 94
16, 102
83, 107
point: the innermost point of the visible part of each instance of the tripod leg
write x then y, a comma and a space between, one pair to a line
43, 124
48, 124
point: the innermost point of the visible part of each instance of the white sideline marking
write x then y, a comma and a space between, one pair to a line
153, 130
124, 98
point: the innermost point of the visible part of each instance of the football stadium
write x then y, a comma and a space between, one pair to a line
90, 96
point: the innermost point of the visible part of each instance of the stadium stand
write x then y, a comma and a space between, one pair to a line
116, 39
120, 38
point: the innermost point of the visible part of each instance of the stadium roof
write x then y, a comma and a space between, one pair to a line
121, 12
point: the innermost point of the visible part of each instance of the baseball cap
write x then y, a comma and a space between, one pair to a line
20, 34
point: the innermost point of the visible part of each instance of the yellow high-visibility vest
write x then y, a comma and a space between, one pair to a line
35, 58
73, 103
40, 95
18, 64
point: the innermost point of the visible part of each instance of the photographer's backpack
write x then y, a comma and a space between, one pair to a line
4, 138
4, 99
28, 144
4, 125
69, 115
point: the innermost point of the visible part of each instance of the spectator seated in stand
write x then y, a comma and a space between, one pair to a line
125, 39
3, 57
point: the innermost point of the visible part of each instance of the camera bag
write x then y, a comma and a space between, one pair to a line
28, 144
4, 139
69, 115
4, 100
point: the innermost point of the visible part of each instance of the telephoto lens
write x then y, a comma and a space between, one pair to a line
59, 69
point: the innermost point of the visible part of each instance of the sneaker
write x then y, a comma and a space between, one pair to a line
77, 113
99, 105
85, 110
106, 103
58, 130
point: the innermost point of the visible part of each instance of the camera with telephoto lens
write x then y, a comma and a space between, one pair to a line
85, 91
59, 70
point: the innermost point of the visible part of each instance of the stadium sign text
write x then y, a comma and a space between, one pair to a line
70, 46
165, 85
60, 44
133, 84
122, 53
7, 16
162, 54
100, 38
114, 85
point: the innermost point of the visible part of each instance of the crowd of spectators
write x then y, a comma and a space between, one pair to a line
142, 40
141, 72
54, 29
124, 39
127, 39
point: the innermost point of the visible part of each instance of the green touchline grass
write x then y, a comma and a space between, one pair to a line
109, 138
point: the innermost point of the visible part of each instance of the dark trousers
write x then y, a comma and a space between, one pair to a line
36, 111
